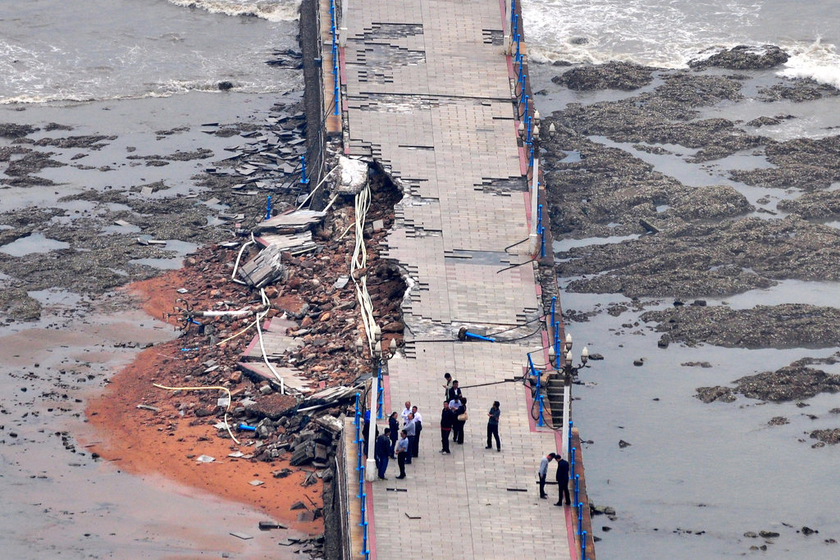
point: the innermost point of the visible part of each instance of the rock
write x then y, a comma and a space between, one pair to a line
624, 76
778, 421
751, 535
622, 444
639, 362
712, 394
808, 531
778, 326
768, 534
743, 58
297, 505
831, 436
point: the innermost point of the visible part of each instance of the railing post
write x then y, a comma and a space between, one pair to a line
570, 433
580, 518
268, 207
583, 546
577, 488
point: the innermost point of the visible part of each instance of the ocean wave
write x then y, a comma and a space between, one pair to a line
162, 90
272, 10
817, 61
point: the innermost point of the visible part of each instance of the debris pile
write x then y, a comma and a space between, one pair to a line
281, 391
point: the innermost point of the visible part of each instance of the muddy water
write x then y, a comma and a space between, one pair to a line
59, 499
696, 477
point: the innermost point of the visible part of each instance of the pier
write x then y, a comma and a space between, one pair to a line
435, 93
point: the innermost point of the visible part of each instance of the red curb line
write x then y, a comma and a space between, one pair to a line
371, 523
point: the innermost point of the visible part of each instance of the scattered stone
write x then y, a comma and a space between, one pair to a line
778, 421
830, 436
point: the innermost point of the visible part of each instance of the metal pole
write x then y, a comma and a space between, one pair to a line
371, 462
567, 400
380, 404
268, 207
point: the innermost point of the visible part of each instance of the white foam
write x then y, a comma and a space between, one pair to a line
648, 32
817, 61
272, 10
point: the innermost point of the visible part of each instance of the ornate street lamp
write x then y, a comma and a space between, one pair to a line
569, 371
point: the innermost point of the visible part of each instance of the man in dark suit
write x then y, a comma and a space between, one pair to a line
447, 420
563, 480
381, 452
454, 391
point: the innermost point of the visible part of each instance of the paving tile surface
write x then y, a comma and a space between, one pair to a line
429, 97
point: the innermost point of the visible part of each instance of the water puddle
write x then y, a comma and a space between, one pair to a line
35, 243
563, 245
181, 249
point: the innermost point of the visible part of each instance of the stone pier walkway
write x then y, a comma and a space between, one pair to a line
428, 96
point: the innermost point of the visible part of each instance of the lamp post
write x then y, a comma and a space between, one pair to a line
370, 465
569, 371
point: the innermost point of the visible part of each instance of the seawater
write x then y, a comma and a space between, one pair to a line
669, 34
88, 50
697, 477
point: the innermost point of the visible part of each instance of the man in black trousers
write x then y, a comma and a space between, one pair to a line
563, 480
447, 420
381, 453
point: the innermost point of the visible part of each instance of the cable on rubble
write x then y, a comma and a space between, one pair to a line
207, 388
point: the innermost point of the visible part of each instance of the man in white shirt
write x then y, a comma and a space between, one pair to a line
544, 471
418, 427
406, 411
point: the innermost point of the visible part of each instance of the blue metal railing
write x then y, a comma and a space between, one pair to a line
362, 496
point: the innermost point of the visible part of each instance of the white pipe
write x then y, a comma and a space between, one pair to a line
534, 236
370, 465
238, 313
342, 30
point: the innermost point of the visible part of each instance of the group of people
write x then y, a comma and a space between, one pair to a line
403, 444
562, 477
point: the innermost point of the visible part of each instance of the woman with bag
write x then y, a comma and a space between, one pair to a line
461, 417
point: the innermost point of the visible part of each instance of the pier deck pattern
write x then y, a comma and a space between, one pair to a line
428, 96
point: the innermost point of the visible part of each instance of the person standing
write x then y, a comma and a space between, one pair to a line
563, 481
448, 385
394, 426
418, 427
454, 391
447, 420
460, 419
406, 411
402, 452
381, 453
411, 431
365, 432
493, 425
544, 471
